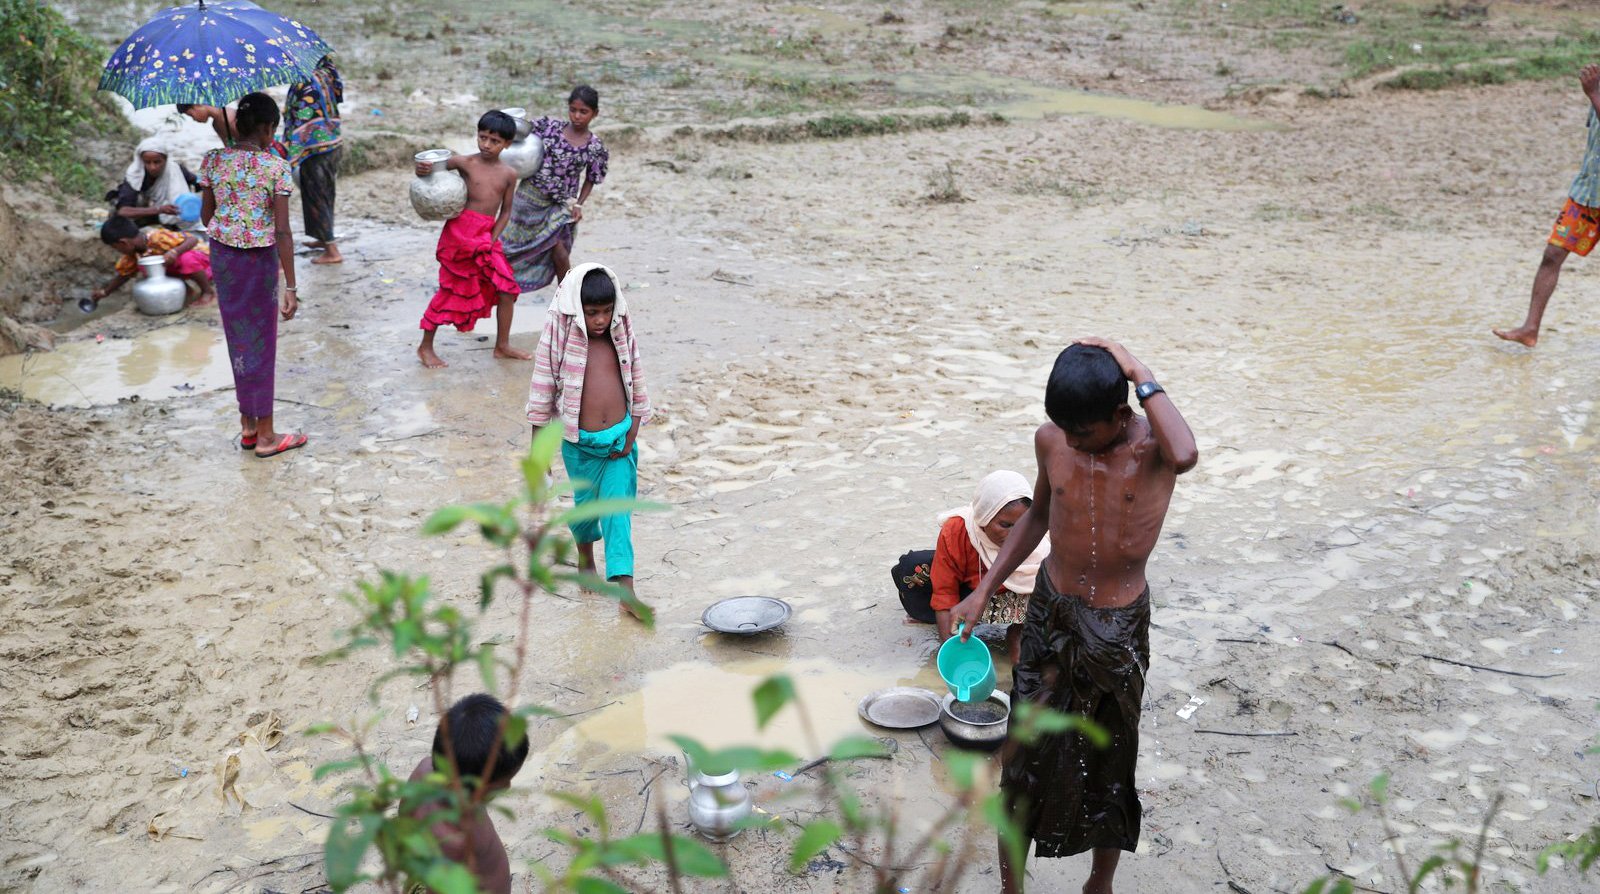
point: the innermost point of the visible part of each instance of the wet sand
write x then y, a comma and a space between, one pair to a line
837, 360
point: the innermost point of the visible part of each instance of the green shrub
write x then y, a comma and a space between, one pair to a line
48, 97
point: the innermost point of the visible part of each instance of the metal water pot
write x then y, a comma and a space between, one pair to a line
442, 194
523, 155
156, 293
718, 804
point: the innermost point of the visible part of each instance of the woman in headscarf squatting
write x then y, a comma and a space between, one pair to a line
931, 582
149, 191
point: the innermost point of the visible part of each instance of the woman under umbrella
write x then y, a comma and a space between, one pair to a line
311, 131
246, 209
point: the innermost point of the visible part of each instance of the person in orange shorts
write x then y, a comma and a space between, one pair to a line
1578, 227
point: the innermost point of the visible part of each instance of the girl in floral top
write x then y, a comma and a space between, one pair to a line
245, 206
549, 205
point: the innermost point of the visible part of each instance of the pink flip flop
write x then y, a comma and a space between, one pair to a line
286, 443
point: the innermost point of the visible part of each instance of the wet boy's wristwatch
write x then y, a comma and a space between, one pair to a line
1146, 390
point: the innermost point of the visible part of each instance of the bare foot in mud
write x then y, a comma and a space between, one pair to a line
206, 298
430, 359
506, 352
1521, 335
330, 255
624, 608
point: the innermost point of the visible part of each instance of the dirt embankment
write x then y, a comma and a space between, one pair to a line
50, 255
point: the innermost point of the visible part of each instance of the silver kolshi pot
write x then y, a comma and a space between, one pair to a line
523, 155
718, 804
156, 293
442, 194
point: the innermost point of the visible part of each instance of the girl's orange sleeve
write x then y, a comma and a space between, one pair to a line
955, 563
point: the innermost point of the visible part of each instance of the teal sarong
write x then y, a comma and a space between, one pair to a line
601, 477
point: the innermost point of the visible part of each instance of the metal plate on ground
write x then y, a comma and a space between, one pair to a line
902, 707
745, 614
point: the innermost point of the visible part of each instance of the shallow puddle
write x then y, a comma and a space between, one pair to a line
179, 359
711, 703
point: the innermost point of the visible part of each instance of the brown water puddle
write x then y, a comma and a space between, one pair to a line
711, 703
179, 359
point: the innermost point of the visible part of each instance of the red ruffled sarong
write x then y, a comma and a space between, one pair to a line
472, 273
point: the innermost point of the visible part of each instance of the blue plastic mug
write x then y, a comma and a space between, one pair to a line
188, 206
967, 668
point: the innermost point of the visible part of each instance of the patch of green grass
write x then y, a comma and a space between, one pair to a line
843, 126
48, 99
1447, 43
801, 87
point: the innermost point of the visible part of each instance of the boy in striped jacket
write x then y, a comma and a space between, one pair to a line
587, 378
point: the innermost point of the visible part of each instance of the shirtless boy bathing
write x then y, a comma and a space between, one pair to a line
474, 276
1105, 480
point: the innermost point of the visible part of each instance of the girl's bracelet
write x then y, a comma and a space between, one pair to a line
291, 289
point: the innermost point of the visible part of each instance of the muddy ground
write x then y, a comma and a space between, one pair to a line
1384, 488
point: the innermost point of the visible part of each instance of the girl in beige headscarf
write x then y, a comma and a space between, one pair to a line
931, 582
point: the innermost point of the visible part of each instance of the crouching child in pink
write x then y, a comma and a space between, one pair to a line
185, 257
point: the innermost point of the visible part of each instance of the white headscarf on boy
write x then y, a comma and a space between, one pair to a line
996, 491
166, 189
569, 292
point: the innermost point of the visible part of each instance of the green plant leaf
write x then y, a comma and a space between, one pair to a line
691, 857
344, 766
852, 747
444, 520
516, 730
346, 846
598, 509
963, 768
814, 839
591, 885
1380, 788
770, 697
736, 758
450, 878
487, 581
542, 454
1011, 837
1030, 722
1428, 867
486, 665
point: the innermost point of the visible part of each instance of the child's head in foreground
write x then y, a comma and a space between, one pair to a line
598, 293
495, 132
121, 234
473, 723
1087, 398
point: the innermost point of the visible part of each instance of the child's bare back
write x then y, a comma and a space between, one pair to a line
1106, 511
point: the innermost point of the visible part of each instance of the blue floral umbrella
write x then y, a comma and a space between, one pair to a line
211, 54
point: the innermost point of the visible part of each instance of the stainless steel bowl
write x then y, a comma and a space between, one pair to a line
975, 732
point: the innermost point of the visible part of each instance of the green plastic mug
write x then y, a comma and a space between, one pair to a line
967, 668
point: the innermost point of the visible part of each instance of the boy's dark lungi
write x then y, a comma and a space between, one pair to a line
1069, 796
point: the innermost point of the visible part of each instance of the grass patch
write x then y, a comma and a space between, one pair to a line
804, 88
944, 187
1445, 44
372, 151
844, 126
48, 99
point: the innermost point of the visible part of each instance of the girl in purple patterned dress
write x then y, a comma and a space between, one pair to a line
549, 205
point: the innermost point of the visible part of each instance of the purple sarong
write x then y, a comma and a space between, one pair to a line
247, 295
537, 225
